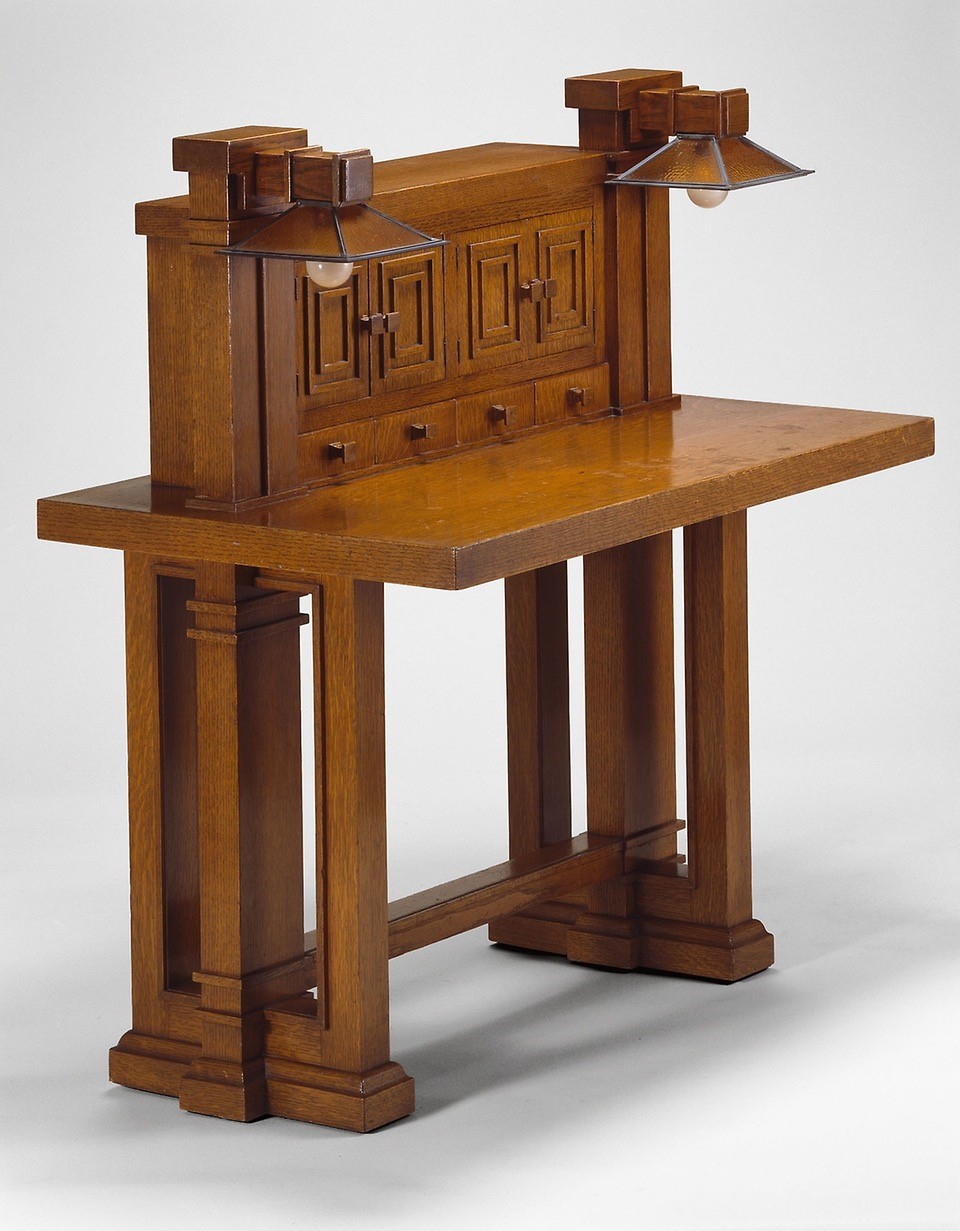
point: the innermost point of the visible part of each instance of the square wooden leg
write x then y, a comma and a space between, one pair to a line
328, 1059
538, 744
660, 915
250, 833
164, 870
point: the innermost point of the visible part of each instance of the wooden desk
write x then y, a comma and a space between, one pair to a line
223, 1013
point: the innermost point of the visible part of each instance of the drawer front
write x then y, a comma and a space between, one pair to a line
571, 394
336, 450
496, 413
412, 432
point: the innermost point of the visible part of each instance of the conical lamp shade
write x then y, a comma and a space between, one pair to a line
709, 162
319, 231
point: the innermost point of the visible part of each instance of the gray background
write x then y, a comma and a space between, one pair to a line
819, 1094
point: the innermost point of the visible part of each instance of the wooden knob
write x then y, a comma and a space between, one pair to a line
549, 288
423, 431
391, 322
345, 450
503, 414
579, 396
376, 323
532, 290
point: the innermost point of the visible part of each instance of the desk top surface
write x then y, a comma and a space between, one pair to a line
475, 515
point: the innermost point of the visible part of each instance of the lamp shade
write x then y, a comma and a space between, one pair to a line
320, 231
694, 161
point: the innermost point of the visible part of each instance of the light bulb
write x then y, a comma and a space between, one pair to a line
707, 198
329, 274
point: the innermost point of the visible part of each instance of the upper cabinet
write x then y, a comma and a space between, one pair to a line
525, 289
515, 292
381, 332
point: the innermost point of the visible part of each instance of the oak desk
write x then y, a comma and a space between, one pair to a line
213, 616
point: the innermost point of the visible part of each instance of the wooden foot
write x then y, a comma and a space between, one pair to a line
722, 954
143, 1062
230, 1090
662, 915
359, 1102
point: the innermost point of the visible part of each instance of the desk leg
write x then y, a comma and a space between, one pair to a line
538, 743
328, 1060
249, 815
696, 921
630, 733
164, 889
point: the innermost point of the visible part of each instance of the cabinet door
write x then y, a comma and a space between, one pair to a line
492, 328
408, 292
335, 354
565, 314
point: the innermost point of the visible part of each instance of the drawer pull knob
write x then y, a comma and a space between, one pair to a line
532, 290
506, 415
345, 450
423, 431
376, 323
579, 396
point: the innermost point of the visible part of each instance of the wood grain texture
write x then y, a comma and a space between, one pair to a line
579, 488
172, 398
250, 832
446, 910
538, 708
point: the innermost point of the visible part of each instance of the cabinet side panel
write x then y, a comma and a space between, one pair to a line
171, 397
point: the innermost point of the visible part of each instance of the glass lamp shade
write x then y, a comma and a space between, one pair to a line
317, 231
725, 163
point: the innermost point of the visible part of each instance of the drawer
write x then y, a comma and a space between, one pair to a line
412, 432
336, 450
584, 392
496, 413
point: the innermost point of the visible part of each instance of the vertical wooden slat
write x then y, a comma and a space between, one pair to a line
145, 799
538, 708
171, 378
630, 729
718, 727
624, 283
250, 832
656, 262
628, 637
226, 375
279, 389
352, 828
181, 888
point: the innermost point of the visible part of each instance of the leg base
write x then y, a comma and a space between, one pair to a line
360, 1102
723, 954
228, 1089
143, 1062
542, 927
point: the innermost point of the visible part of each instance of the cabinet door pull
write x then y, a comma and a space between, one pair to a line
549, 288
376, 323
391, 322
345, 450
532, 290
423, 431
503, 414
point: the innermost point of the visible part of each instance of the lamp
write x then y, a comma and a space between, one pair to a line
708, 156
330, 226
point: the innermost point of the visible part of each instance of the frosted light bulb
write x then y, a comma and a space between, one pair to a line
707, 198
329, 274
